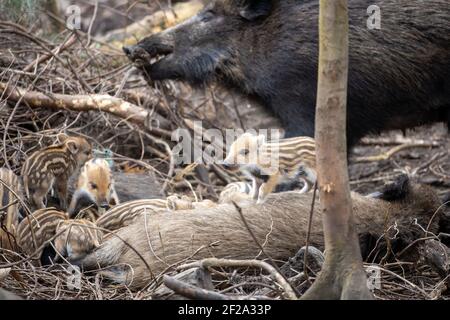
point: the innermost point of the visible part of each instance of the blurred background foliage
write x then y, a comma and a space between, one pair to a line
20, 11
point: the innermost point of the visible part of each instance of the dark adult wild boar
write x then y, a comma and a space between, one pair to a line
399, 75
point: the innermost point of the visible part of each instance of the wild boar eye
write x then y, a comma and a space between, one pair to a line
208, 15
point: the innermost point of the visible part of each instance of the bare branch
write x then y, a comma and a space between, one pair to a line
214, 262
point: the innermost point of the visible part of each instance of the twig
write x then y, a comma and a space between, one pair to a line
434, 215
192, 292
398, 139
91, 23
28, 214
56, 51
244, 220
214, 262
429, 162
388, 154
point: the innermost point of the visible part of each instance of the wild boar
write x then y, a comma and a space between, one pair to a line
167, 238
398, 75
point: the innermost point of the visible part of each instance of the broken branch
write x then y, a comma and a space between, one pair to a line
214, 262
387, 155
93, 102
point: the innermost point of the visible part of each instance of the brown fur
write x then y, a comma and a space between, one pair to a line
174, 202
204, 204
90, 213
53, 166
168, 238
126, 213
129, 186
43, 223
235, 191
270, 163
76, 238
96, 183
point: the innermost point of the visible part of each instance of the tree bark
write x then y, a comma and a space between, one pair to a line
53, 6
342, 276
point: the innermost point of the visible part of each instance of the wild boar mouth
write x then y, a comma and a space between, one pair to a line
142, 57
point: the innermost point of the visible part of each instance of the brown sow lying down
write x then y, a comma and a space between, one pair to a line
168, 238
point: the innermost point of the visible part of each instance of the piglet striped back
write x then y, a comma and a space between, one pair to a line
42, 223
291, 153
125, 213
46, 163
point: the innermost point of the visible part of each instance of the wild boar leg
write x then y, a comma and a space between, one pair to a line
61, 188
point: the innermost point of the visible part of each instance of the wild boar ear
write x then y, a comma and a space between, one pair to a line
61, 137
255, 9
72, 146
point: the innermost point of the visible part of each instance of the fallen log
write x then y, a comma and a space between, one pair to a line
165, 240
93, 102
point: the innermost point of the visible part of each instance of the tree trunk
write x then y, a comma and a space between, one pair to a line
53, 6
342, 276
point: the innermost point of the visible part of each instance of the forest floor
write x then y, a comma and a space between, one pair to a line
430, 163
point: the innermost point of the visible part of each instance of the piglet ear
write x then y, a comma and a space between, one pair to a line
72, 146
256, 9
61, 137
